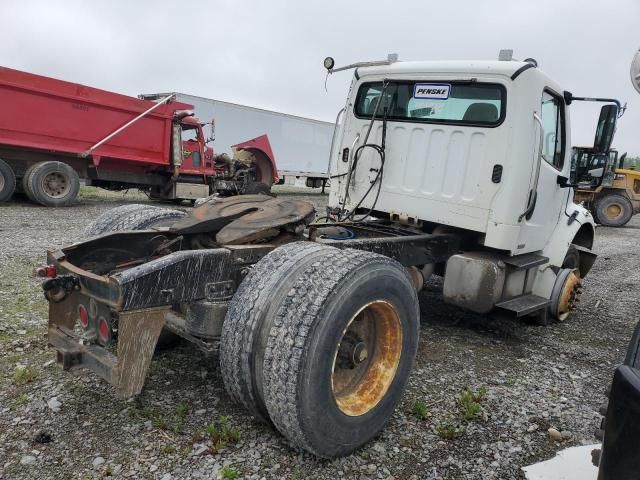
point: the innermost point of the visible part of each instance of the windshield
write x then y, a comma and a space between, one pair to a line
442, 102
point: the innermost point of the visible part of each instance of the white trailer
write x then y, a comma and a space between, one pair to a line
300, 145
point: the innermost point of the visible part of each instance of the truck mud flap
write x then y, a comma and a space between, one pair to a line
138, 333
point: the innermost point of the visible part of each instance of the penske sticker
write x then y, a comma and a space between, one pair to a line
432, 91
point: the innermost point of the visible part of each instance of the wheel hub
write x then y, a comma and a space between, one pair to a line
352, 351
614, 211
366, 358
568, 296
55, 185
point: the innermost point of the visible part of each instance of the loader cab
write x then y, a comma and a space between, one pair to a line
590, 170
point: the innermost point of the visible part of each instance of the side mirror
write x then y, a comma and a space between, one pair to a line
635, 71
606, 128
212, 133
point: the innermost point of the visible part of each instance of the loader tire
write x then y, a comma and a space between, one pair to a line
614, 210
131, 217
340, 351
7, 181
248, 318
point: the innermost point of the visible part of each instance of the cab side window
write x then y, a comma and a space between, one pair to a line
552, 114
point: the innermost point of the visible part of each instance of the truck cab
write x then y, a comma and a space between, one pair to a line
196, 156
479, 148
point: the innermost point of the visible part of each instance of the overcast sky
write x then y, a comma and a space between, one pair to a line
269, 53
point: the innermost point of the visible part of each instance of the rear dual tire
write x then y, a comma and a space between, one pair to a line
52, 184
7, 181
320, 342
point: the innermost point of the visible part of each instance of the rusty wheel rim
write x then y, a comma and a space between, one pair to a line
614, 211
55, 185
366, 358
569, 297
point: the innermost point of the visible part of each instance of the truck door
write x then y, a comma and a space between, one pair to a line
547, 196
192, 161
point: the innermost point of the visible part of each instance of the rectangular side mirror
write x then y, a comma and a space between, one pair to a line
606, 128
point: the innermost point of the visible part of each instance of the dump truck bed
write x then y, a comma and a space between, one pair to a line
53, 115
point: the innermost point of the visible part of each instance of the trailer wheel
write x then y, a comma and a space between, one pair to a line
53, 184
340, 351
248, 320
614, 210
131, 217
7, 181
25, 183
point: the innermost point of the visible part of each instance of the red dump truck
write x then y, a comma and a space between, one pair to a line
53, 132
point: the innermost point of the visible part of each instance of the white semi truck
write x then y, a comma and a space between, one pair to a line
458, 169
300, 145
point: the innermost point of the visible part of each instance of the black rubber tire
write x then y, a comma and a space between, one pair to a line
246, 325
572, 258
25, 182
306, 331
131, 217
34, 186
253, 188
613, 199
7, 181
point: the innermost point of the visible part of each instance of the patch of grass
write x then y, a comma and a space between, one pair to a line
159, 422
420, 409
20, 401
108, 471
448, 431
24, 375
229, 473
221, 434
182, 409
167, 449
177, 425
470, 403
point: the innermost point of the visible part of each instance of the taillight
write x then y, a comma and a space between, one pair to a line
104, 331
83, 315
46, 271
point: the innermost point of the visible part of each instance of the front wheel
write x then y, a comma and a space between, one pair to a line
340, 350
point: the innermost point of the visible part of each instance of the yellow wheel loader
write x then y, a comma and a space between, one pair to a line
609, 190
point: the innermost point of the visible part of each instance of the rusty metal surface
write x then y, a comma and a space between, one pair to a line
64, 314
246, 218
367, 358
569, 295
72, 354
138, 333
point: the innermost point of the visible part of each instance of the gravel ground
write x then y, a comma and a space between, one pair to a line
523, 380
